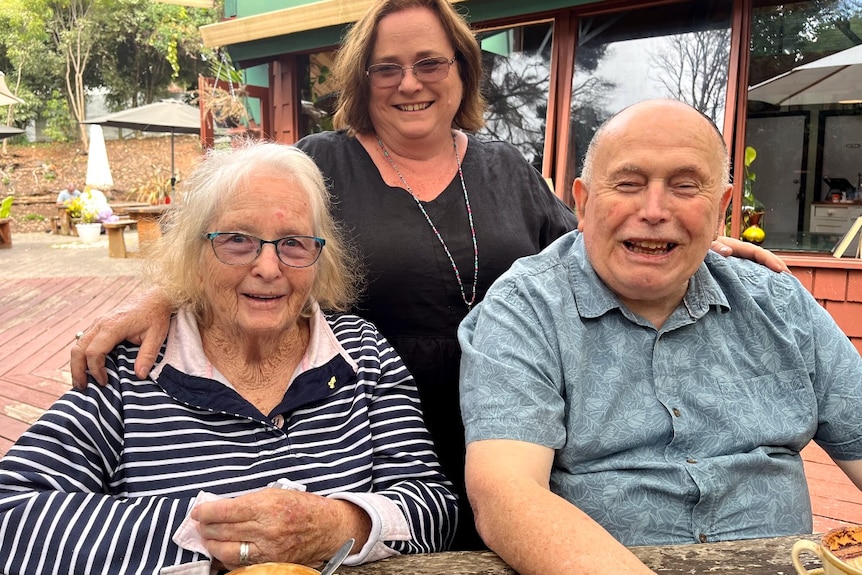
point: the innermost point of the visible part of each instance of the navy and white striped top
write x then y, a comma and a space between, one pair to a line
104, 478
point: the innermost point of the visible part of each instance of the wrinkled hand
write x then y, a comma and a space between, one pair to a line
143, 320
280, 525
728, 246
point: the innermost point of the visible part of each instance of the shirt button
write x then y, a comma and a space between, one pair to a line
703, 538
278, 421
691, 460
676, 412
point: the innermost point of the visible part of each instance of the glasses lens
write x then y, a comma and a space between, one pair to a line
299, 251
431, 69
426, 70
385, 75
235, 249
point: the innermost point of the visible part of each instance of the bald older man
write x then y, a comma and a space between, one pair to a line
626, 387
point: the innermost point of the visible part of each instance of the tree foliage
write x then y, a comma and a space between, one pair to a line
787, 35
156, 48
134, 51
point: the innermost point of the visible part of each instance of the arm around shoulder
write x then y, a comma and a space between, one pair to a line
143, 320
528, 526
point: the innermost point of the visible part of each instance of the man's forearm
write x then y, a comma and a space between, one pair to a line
537, 532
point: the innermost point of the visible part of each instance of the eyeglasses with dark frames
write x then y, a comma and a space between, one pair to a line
237, 249
426, 70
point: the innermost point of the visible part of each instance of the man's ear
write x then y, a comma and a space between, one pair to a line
580, 194
725, 201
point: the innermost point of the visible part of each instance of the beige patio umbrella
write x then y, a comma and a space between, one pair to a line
833, 79
167, 116
7, 98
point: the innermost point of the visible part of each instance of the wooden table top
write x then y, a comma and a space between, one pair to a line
747, 557
126, 205
149, 209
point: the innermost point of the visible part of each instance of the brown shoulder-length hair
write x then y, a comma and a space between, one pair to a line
355, 53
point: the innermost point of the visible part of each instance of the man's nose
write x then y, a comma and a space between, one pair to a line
655, 201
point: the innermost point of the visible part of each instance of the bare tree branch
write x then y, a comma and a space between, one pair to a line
693, 68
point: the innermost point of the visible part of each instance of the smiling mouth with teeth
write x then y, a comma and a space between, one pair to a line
414, 107
654, 248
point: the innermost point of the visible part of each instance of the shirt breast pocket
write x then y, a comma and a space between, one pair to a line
778, 409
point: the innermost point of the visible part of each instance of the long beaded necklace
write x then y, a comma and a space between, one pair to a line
472, 299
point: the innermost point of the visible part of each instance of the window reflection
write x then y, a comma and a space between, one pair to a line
318, 93
679, 51
805, 115
516, 84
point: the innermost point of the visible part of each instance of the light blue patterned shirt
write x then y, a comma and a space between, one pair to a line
689, 433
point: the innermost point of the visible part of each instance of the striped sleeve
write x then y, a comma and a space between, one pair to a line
405, 466
57, 512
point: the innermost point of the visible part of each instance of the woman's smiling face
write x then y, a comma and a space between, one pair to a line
265, 297
412, 108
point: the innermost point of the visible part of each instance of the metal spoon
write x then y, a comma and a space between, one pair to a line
338, 558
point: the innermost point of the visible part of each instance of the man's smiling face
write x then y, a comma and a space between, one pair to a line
654, 203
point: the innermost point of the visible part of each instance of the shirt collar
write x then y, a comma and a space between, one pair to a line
184, 349
594, 298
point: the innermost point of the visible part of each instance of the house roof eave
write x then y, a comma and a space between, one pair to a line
323, 14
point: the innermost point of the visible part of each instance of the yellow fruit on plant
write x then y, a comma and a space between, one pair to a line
754, 234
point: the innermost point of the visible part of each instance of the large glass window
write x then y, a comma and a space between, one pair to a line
318, 95
676, 51
804, 120
516, 84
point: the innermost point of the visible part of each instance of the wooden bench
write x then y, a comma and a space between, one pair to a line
5, 233
116, 239
65, 221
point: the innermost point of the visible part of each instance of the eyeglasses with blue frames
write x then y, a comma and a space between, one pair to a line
426, 70
236, 249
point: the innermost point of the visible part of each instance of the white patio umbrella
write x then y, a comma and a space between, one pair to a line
98, 169
835, 78
166, 116
7, 98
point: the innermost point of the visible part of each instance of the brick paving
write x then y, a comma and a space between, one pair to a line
46, 255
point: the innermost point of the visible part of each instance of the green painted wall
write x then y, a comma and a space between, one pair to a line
298, 42
254, 7
257, 76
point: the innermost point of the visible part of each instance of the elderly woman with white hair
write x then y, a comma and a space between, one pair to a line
269, 430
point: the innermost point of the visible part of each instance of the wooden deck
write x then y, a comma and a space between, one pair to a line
39, 317
38, 321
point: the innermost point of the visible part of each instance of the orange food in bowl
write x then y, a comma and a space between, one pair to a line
275, 569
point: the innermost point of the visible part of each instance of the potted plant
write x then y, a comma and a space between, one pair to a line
752, 209
87, 212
